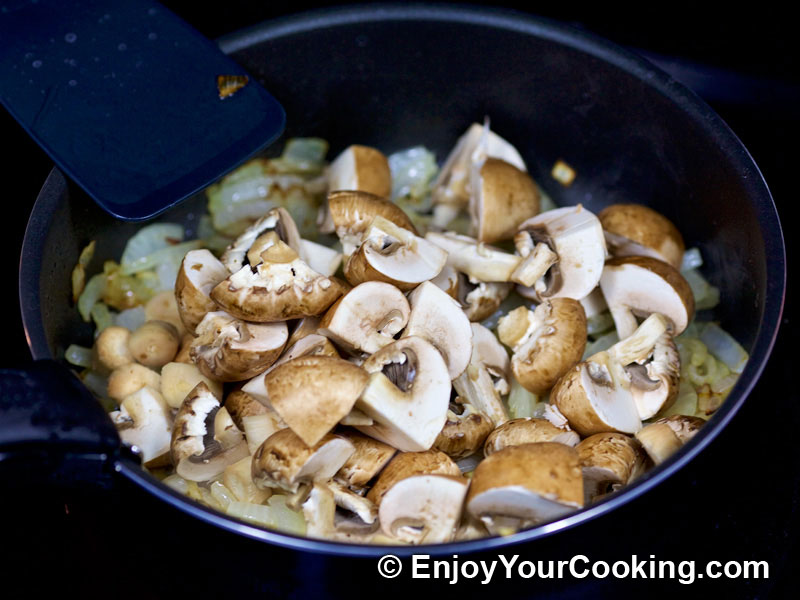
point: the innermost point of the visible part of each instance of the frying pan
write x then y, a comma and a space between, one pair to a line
397, 76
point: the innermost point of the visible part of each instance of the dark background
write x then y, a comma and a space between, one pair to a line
738, 500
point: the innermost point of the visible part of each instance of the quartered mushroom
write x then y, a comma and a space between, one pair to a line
367, 317
665, 436
145, 421
277, 225
501, 197
546, 342
282, 286
361, 168
595, 395
321, 258
285, 462
528, 431
478, 299
369, 458
655, 383
486, 376
200, 272
563, 251
638, 230
199, 451
178, 379
636, 286
407, 464
609, 461
394, 255
480, 262
349, 214
525, 485
464, 431
313, 393
229, 349
407, 395
451, 189
437, 318
335, 513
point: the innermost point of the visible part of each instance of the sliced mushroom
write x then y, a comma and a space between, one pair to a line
575, 236
200, 272
351, 212
320, 258
525, 485
366, 462
595, 396
313, 393
145, 422
394, 255
636, 286
229, 349
464, 430
659, 441
408, 464
655, 384
480, 262
196, 452
361, 168
609, 461
547, 341
276, 226
684, 426
527, 431
638, 230
281, 287
285, 462
407, 395
325, 521
451, 189
437, 318
502, 196
178, 379
423, 509
367, 317
481, 299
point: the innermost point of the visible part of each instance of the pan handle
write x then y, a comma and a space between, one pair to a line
52, 430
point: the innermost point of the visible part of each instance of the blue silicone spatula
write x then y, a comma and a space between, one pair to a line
130, 102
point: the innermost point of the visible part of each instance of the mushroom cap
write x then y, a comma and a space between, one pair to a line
502, 196
111, 347
532, 482
361, 168
366, 462
164, 307
488, 351
437, 318
609, 459
480, 262
279, 221
277, 292
655, 385
284, 461
576, 236
408, 464
527, 431
423, 508
659, 440
146, 423
638, 230
228, 349
367, 317
240, 404
464, 432
351, 212
313, 393
129, 378
640, 285
684, 426
179, 379
552, 343
482, 299
408, 417
394, 255
200, 272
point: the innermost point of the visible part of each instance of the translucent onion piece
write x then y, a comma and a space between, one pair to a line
724, 347
521, 402
130, 318
149, 239
691, 259
90, 295
79, 356
173, 254
706, 296
274, 515
413, 171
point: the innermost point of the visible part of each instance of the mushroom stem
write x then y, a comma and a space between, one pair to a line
638, 346
534, 266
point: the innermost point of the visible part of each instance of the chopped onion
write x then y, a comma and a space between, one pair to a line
147, 240
691, 259
80, 356
722, 345
599, 323
101, 316
274, 515
172, 254
521, 402
413, 171
604, 342
705, 295
130, 318
90, 295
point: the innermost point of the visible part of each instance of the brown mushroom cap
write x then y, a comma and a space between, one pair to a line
532, 482
684, 426
369, 458
609, 460
241, 404
464, 431
351, 212
228, 349
313, 393
550, 341
284, 461
637, 229
200, 272
639, 286
276, 225
503, 197
527, 431
407, 464
361, 168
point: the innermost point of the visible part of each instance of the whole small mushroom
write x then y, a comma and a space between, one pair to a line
154, 344
361, 168
638, 230
528, 431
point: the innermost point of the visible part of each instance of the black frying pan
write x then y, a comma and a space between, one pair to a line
400, 76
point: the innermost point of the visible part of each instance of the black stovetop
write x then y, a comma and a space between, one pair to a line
738, 500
